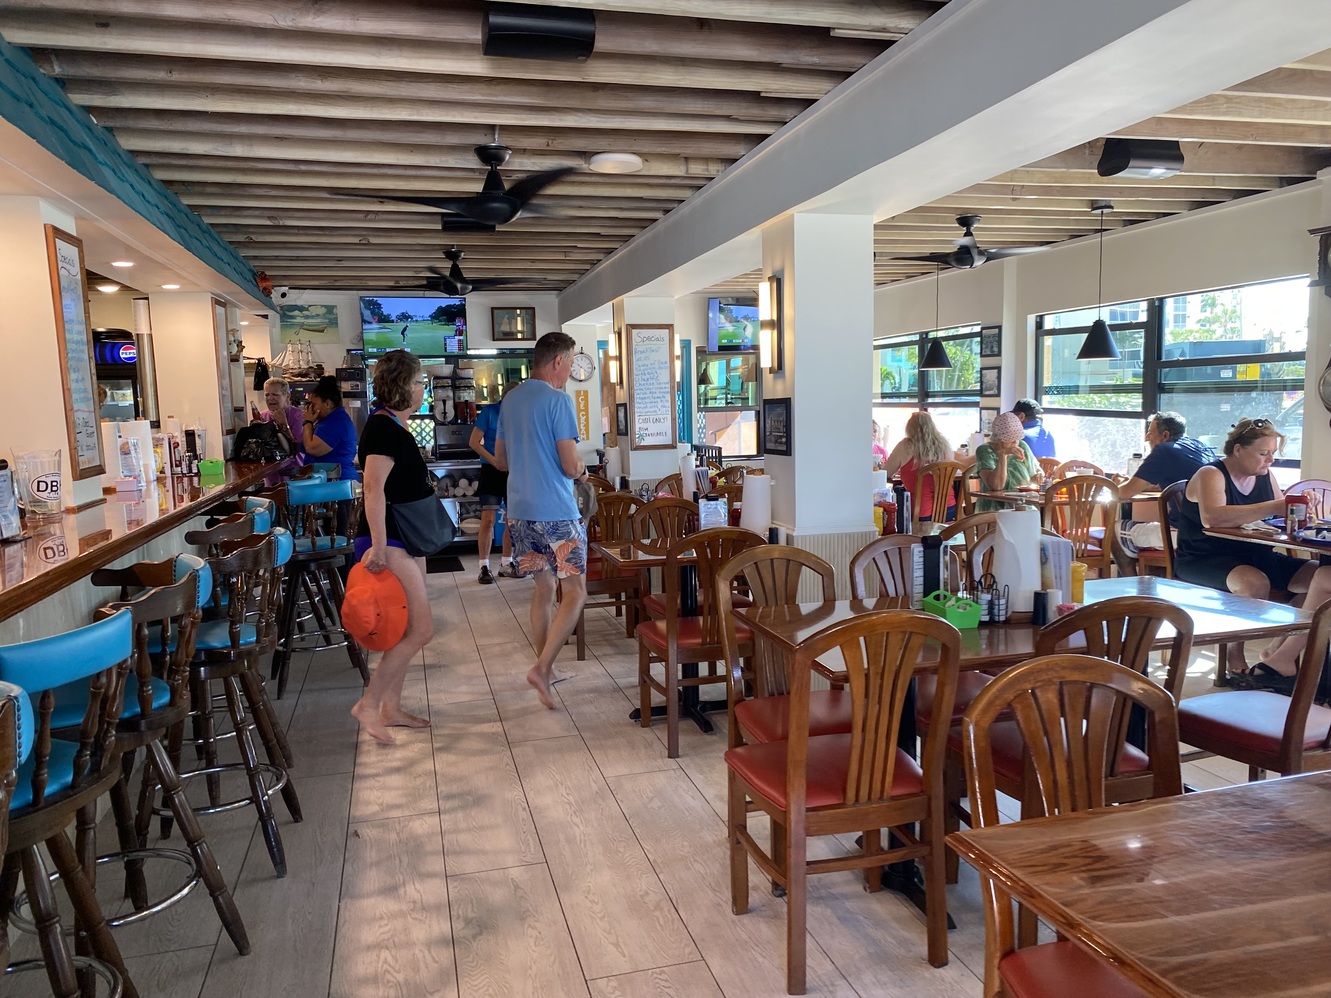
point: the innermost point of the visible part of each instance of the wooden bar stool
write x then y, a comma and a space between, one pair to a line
57, 781
156, 702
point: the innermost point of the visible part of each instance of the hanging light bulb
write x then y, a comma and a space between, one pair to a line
935, 358
1099, 343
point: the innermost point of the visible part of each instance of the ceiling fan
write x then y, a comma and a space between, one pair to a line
497, 204
455, 283
968, 254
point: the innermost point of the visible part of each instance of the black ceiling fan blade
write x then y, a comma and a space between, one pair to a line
457, 206
931, 258
450, 284
529, 186
483, 283
458, 223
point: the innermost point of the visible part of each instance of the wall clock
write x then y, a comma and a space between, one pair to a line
583, 366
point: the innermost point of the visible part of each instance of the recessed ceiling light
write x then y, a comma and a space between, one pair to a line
122, 263
244, 322
108, 289
615, 162
170, 287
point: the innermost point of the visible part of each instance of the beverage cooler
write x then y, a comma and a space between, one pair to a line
117, 356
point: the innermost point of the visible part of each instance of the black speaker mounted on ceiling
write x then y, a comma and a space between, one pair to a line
1140, 158
529, 31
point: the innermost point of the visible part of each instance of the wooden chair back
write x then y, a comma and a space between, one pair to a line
660, 523
1075, 466
601, 485
886, 563
730, 493
732, 476
612, 523
1319, 495
1123, 630
671, 485
773, 574
1296, 754
1170, 505
248, 571
1072, 507
711, 550
1049, 465
978, 558
944, 475
171, 609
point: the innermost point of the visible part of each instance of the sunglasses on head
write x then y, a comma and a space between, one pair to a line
1243, 425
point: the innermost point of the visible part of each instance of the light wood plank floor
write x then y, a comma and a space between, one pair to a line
515, 852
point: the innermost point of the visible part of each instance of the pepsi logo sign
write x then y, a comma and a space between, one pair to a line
128, 353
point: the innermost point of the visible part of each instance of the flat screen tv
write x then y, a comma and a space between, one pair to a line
429, 325
732, 323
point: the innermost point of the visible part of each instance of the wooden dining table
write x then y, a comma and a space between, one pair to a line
1272, 539
1221, 894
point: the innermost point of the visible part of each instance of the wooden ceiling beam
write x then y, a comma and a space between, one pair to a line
460, 22
997, 220
72, 66
388, 251
886, 16
1242, 132
1139, 208
1287, 82
268, 105
1105, 189
521, 139
1186, 179
573, 226
315, 200
1217, 160
579, 243
40, 28
1237, 107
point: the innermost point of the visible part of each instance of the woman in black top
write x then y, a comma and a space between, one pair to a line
1230, 492
393, 471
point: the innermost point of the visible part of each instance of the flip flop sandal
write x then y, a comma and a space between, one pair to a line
1263, 677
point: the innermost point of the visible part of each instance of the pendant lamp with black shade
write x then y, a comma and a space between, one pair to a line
1099, 343
935, 358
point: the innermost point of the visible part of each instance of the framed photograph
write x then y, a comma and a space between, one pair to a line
622, 419
989, 382
776, 426
73, 338
991, 341
513, 323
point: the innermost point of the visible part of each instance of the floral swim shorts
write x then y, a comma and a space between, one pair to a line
558, 546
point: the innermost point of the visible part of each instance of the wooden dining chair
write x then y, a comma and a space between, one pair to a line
1268, 731
676, 639
811, 785
612, 523
671, 485
1049, 465
1319, 490
944, 475
601, 485
733, 475
1162, 558
756, 695
1074, 467
730, 493
1071, 711
1073, 505
882, 567
656, 525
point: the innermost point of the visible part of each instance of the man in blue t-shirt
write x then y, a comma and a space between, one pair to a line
1174, 457
537, 443
492, 492
1038, 439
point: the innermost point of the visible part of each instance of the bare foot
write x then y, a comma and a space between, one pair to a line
1235, 663
371, 724
541, 687
399, 718
558, 675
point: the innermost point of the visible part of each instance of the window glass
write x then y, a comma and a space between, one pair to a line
735, 431
898, 369
728, 379
1069, 383
1257, 318
1106, 441
1132, 311
964, 377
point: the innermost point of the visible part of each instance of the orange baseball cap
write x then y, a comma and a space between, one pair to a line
374, 611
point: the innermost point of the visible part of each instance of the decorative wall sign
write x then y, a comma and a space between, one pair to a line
989, 382
651, 365
74, 345
622, 419
311, 323
991, 341
582, 403
776, 427
513, 323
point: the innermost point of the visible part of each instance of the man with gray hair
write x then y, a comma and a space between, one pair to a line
1174, 457
537, 444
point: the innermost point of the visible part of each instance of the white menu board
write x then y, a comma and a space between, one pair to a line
651, 365
74, 341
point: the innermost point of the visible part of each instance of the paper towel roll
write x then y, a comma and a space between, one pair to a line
614, 464
110, 452
688, 480
142, 431
1017, 556
879, 480
756, 513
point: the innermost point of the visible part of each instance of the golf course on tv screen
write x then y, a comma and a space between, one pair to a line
423, 325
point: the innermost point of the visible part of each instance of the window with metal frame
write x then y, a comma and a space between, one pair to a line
952, 397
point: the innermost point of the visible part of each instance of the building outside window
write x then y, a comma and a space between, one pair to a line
951, 397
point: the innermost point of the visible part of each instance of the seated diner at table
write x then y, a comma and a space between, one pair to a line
1227, 493
922, 445
1005, 462
1174, 457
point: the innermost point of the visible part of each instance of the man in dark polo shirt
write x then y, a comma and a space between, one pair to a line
1174, 457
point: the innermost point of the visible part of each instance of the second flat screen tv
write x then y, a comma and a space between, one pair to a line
428, 325
732, 323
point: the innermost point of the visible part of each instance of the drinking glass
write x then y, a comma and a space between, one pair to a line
40, 488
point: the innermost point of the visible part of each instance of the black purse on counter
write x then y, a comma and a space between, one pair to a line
424, 525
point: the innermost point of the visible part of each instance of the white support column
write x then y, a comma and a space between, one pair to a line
185, 349
821, 493
1316, 430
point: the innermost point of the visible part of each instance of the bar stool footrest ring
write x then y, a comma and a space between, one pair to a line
278, 775
106, 973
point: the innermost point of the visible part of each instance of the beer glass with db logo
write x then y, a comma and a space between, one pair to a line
39, 486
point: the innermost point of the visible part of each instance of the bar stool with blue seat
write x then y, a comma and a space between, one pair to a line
58, 779
228, 651
311, 509
156, 704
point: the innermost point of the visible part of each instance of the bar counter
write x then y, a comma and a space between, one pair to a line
60, 552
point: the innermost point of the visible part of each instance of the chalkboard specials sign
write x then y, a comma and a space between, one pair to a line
74, 344
651, 364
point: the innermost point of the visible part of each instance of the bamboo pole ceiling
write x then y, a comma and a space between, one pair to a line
279, 121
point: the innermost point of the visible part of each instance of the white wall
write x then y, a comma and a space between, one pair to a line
1259, 238
185, 352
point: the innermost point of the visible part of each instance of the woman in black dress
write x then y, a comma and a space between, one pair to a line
1238, 489
393, 471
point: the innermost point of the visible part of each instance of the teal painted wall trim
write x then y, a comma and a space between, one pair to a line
34, 103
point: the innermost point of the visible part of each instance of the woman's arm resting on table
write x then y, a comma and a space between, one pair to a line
1207, 490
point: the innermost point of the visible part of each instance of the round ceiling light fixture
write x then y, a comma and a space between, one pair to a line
615, 162
122, 263
108, 288
170, 287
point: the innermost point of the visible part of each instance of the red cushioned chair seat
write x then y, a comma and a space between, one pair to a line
969, 685
1009, 749
767, 719
1247, 719
1057, 970
763, 767
653, 632
655, 604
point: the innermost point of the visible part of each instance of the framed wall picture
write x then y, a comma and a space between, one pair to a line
776, 427
74, 344
991, 341
513, 323
990, 382
622, 419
